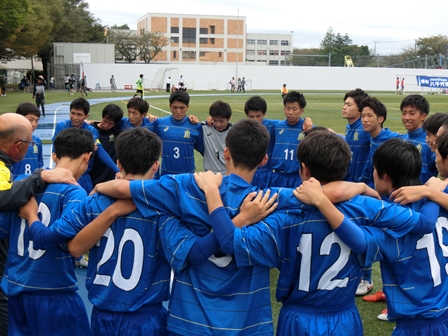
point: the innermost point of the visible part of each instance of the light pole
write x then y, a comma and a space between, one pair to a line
292, 47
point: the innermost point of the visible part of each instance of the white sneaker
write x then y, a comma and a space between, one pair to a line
82, 263
383, 316
364, 287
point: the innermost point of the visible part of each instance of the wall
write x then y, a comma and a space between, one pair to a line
217, 77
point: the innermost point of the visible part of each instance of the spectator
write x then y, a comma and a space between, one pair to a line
39, 93
113, 86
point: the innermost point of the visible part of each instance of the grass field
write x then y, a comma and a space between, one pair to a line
323, 107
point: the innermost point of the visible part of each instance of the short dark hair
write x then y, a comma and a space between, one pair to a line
137, 150
114, 112
315, 129
326, 155
80, 104
255, 103
139, 104
28, 108
73, 142
442, 144
220, 109
434, 121
293, 97
416, 101
180, 96
247, 142
378, 107
358, 95
400, 160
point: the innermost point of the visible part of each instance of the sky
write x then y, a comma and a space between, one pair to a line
384, 26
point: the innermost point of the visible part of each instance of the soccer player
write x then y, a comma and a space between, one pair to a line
288, 134
137, 110
356, 137
431, 127
215, 137
33, 158
108, 131
180, 138
318, 272
79, 112
413, 267
41, 283
139, 83
414, 110
128, 277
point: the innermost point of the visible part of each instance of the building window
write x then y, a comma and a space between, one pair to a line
212, 29
220, 54
262, 52
285, 52
203, 40
285, 43
273, 42
250, 60
203, 30
273, 52
212, 41
262, 42
271, 62
250, 41
202, 54
261, 61
174, 39
188, 35
142, 31
188, 54
174, 30
174, 54
250, 52
282, 62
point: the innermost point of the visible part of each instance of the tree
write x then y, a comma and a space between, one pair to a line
126, 43
308, 57
150, 44
125, 27
432, 46
13, 16
342, 45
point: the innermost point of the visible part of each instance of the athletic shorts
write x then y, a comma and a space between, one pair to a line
310, 321
50, 313
422, 327
148, 320
262, 180
285, 180
139, 91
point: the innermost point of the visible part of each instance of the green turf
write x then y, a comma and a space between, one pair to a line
323, 107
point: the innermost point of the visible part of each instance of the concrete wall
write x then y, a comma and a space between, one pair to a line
217, 77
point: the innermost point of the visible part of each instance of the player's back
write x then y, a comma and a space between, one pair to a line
413, 270
284, 153
214, 297
127, 270
33, 159
30, 269
180, 139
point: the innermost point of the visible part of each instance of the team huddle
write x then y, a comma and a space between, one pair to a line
319, 206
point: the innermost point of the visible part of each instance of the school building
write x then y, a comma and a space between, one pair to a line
209, 39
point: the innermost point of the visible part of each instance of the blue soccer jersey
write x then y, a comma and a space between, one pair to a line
85, 181
262, 176
301, 246
214, 297
125, 124
418, 139
33, 159
285, 167
180, 139
413, 270
359, 142
384, 135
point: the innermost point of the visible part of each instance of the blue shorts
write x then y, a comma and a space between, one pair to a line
262, 180
310, 321
422, 327
285, 180
49, 313
148, 320
85, 181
